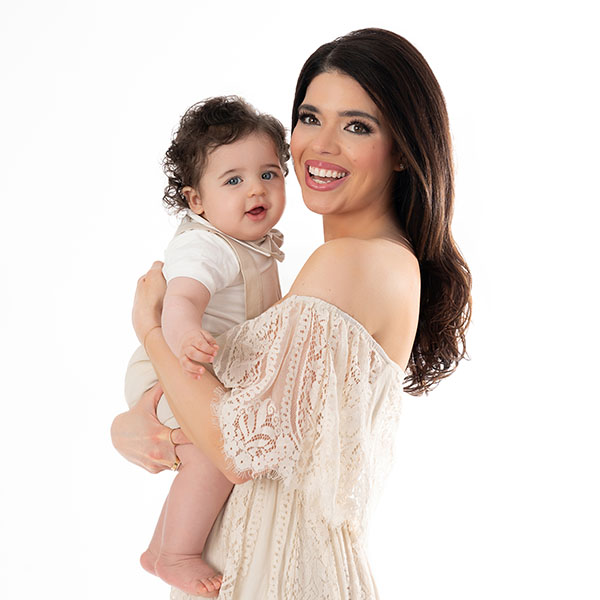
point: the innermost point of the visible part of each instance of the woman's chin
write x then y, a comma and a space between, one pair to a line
321, 203
319, 208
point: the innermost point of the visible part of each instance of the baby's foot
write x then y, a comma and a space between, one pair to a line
148, 561
189, 574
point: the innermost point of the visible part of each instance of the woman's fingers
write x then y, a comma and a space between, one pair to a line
153, 277
139, 436
157, 265
147, 305
149, 401
179, 438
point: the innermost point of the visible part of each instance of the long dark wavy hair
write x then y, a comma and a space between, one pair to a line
400, 82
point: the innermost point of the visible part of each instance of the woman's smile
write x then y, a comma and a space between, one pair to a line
323, 176
311, 387
342, 149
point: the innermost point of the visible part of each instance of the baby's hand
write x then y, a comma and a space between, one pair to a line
197, 347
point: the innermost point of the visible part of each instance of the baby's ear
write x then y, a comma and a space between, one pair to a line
193, 199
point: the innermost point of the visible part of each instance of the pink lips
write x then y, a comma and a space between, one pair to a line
323, 187
258, 213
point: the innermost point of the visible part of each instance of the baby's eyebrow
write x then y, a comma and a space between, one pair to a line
241, 169
230, 171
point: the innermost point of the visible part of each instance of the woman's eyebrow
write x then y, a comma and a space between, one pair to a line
359, 113
308, 107
344, 113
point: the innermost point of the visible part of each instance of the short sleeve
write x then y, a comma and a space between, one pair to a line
305, 384
203, 256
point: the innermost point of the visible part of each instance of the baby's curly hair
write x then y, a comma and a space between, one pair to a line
204, 127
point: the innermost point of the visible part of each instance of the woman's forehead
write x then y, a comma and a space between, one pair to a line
338, 92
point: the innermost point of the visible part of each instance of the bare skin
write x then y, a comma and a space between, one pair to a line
143, 440
174, 553
389, 314
185, 302
365, 267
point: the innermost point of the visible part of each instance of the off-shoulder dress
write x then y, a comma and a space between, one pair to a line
311, 411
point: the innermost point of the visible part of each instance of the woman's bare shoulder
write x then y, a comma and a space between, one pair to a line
329, 270
361, 277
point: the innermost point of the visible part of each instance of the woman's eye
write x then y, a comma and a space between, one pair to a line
234, 180
308, 119
359, 128
268, 175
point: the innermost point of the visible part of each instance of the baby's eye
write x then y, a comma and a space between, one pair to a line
308, 119
268, 175
234, 180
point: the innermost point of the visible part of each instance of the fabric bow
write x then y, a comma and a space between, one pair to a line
270, 244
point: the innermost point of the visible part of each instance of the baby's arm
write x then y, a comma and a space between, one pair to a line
184, 305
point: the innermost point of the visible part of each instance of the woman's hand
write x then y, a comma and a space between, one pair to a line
147, 305
140, 437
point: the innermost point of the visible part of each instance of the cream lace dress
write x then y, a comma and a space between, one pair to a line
312, 411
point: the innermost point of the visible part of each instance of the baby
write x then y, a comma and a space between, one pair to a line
226, 168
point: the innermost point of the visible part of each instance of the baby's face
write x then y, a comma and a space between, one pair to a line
242, 190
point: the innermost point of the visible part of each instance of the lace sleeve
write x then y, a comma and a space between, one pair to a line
312, 402
275, 369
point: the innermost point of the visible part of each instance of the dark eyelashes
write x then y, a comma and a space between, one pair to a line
304, 115
367, 128
307, 119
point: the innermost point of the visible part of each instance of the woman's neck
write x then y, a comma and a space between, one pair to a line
361, 227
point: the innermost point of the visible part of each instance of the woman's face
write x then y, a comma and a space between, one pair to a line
342, 148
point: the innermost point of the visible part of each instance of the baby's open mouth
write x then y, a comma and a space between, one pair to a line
325, 175
257, 210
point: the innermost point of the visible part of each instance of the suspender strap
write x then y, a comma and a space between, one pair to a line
253, 287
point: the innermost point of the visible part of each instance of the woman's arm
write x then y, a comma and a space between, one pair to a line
189, 399
353, 275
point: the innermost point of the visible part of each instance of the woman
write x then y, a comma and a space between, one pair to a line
306, 427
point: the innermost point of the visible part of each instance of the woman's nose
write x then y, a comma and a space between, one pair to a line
325, 140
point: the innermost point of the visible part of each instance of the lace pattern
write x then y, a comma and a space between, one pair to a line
308, 404
311, 413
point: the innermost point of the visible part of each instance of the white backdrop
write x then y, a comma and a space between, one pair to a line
495, 492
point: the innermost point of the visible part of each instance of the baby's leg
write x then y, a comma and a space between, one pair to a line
149, 557
196, 497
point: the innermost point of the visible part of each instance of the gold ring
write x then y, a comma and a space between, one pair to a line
175, 466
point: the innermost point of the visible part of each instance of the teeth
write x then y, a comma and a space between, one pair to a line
326, 173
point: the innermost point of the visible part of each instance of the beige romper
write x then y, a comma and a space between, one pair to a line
261, 290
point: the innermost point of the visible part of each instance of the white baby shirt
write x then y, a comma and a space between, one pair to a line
209, 259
